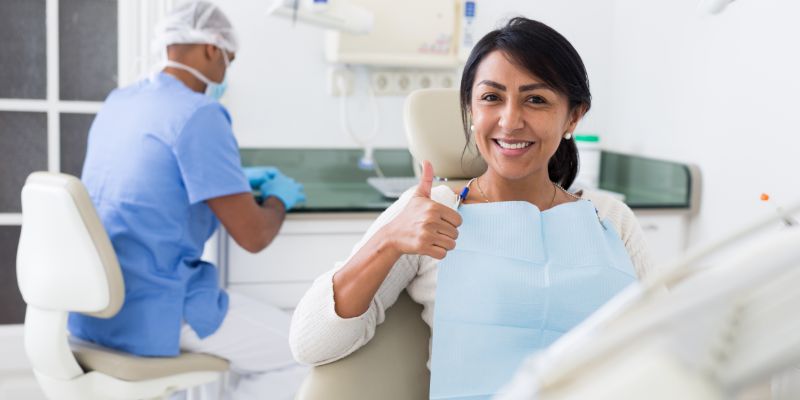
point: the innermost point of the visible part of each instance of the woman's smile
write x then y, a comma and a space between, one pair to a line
512, 147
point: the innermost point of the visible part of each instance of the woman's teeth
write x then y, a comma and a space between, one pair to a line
518, 145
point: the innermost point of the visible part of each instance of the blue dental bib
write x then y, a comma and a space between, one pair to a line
517, 280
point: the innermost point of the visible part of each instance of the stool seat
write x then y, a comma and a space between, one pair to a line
128, 367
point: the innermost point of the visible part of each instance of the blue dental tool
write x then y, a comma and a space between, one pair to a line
462, 196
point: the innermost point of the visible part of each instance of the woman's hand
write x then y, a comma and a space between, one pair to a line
424, 226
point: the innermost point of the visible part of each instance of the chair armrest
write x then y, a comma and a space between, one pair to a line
392, 366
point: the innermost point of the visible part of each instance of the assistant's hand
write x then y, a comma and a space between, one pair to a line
284, 188
258, 175
424, 226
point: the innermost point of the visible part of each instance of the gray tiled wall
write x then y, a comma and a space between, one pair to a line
74, 131
12, 308
22, 56
23, 140
87, 49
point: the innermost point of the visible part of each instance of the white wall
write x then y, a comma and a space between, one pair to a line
277, 86
719, 91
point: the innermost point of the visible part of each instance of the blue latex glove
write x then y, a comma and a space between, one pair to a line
284, 188
258, 175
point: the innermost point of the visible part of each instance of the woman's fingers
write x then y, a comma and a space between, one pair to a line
447, 230
436, 252
449, 215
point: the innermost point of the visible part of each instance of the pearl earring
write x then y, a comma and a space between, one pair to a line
567, 136
472, 128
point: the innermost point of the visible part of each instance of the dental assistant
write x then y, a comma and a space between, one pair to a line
524, 89
163, 170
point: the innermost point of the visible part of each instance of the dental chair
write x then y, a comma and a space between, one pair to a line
65, 263
392, 366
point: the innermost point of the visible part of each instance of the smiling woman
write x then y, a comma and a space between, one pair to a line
514, 265
523, 91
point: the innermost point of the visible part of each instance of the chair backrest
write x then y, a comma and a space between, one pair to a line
435, 133
65, 261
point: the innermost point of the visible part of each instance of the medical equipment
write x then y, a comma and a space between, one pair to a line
367, 161
467, 30
463, 195
413, 33
713, 6
691, 331
555, 268
330, 14
392, 186
787, 219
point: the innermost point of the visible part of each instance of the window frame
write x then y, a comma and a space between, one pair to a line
136, 20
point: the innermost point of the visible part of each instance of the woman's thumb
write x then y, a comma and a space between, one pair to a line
425, 183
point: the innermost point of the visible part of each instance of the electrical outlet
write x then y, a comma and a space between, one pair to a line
381, 82
405, 82
343, 88
424, 81
445, 80
400, 82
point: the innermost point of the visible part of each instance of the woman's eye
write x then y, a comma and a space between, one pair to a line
490, 97
537, 100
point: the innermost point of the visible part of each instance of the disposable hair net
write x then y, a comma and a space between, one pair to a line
196, 22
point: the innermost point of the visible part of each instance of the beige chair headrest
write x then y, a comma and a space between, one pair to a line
435, 133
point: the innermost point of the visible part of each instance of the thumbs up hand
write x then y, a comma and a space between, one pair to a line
424, 226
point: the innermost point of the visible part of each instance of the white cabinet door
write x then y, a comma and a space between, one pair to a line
282, 295
665, 233
306, 247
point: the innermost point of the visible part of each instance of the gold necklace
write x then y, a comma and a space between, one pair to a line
477, 182
574, 196
552, 200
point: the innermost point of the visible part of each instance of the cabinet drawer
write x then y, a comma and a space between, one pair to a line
303, 250
281, 295
290, 258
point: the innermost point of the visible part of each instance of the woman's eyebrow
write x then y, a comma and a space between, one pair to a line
523, 88
492, 84
533, 86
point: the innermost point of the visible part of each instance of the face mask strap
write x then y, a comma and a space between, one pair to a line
196, 73
226, 58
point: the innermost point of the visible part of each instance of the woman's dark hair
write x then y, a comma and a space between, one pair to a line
548, 55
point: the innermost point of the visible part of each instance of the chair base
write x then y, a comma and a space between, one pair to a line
95, 385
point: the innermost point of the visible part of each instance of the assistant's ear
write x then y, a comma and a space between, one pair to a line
210, 51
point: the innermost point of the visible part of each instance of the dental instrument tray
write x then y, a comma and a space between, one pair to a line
392, 186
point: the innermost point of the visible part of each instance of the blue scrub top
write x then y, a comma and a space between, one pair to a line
156, 151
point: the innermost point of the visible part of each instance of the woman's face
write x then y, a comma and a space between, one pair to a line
519, 120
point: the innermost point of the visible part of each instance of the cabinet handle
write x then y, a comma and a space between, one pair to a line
650, 227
